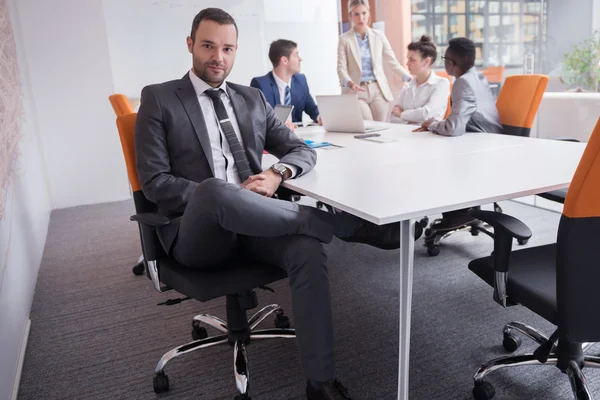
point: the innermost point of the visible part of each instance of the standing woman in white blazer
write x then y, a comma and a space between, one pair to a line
362, 53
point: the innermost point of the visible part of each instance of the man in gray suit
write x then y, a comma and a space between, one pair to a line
199, 143
473, 110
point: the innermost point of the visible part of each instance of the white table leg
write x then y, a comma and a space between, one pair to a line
407, 252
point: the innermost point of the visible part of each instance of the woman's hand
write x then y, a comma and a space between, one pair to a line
355, 88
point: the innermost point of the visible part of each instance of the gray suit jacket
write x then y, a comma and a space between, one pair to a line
172, 146
473, 108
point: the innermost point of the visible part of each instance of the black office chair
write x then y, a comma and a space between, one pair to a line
517, 104
557, 281
235, 281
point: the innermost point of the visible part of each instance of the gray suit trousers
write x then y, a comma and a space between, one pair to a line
223, 221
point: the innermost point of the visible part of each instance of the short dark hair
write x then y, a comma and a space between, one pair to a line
463, 50
212, 14
281, 48
425, 47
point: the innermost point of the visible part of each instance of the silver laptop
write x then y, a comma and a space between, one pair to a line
341, 113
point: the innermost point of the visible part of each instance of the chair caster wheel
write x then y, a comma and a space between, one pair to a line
433, 250
281, 321
161, 383
511, 342
474, 232
138, 269
198, 332
242, 397
428, 232
484, 391
522, 241
424, 222
497, 208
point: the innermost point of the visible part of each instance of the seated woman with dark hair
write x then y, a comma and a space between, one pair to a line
426, 95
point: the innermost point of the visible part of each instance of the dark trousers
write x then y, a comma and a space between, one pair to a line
222, 221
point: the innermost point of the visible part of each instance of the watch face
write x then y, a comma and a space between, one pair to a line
279, 168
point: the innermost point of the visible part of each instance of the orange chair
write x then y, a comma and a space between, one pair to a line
556, 281
494, 74
444, 74
120, 103
518, 102
236, 281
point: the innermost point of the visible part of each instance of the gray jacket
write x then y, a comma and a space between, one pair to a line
473, 108
172, 147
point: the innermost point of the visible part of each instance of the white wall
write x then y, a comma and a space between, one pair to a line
22, 236
65, 46
146, 39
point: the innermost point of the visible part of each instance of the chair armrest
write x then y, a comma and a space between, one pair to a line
503, 223
152, 219
151, 247
505, 229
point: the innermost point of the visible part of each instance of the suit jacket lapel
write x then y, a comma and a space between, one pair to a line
244, 121
296, 90
274, 90
374, 48
187, 95
354, 48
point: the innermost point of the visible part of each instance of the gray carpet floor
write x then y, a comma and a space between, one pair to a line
97, 332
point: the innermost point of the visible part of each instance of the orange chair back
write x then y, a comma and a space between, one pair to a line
494, 74
126, 127
518, 102
583, 196
120, 103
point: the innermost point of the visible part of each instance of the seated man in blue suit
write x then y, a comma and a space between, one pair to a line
285, 84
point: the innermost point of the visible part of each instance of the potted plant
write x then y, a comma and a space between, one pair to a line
581, 66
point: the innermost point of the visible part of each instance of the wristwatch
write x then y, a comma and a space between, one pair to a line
282, 170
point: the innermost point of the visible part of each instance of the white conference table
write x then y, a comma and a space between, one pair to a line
422, 174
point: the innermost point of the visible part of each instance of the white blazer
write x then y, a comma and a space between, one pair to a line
349, 66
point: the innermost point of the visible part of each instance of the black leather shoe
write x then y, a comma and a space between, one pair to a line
385, 237
333, 390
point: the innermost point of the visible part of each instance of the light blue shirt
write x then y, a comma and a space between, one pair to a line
365, 58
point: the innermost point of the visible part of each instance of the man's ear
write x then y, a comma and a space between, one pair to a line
190, 44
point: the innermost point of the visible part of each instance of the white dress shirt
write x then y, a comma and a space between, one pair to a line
223, 161
282, 85
423, 102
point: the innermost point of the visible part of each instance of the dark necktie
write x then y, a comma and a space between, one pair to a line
239, 155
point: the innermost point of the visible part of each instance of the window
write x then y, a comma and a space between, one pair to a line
501, 29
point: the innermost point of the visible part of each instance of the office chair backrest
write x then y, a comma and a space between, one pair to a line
494, 74
518, 102
151, 247
120, 103
578, 250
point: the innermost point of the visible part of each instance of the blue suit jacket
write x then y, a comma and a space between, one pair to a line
301, 98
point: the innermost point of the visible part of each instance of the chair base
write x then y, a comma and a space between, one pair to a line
485, 391
240, 357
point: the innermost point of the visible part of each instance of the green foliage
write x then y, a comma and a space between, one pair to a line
581, 66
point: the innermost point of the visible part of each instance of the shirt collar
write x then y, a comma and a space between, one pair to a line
280, 83
200, 86
432, 80
359, 38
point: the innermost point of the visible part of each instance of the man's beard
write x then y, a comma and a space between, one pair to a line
207, 76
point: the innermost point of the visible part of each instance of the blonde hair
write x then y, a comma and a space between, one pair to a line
352, 4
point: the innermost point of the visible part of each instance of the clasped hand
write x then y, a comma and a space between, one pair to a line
265, 183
